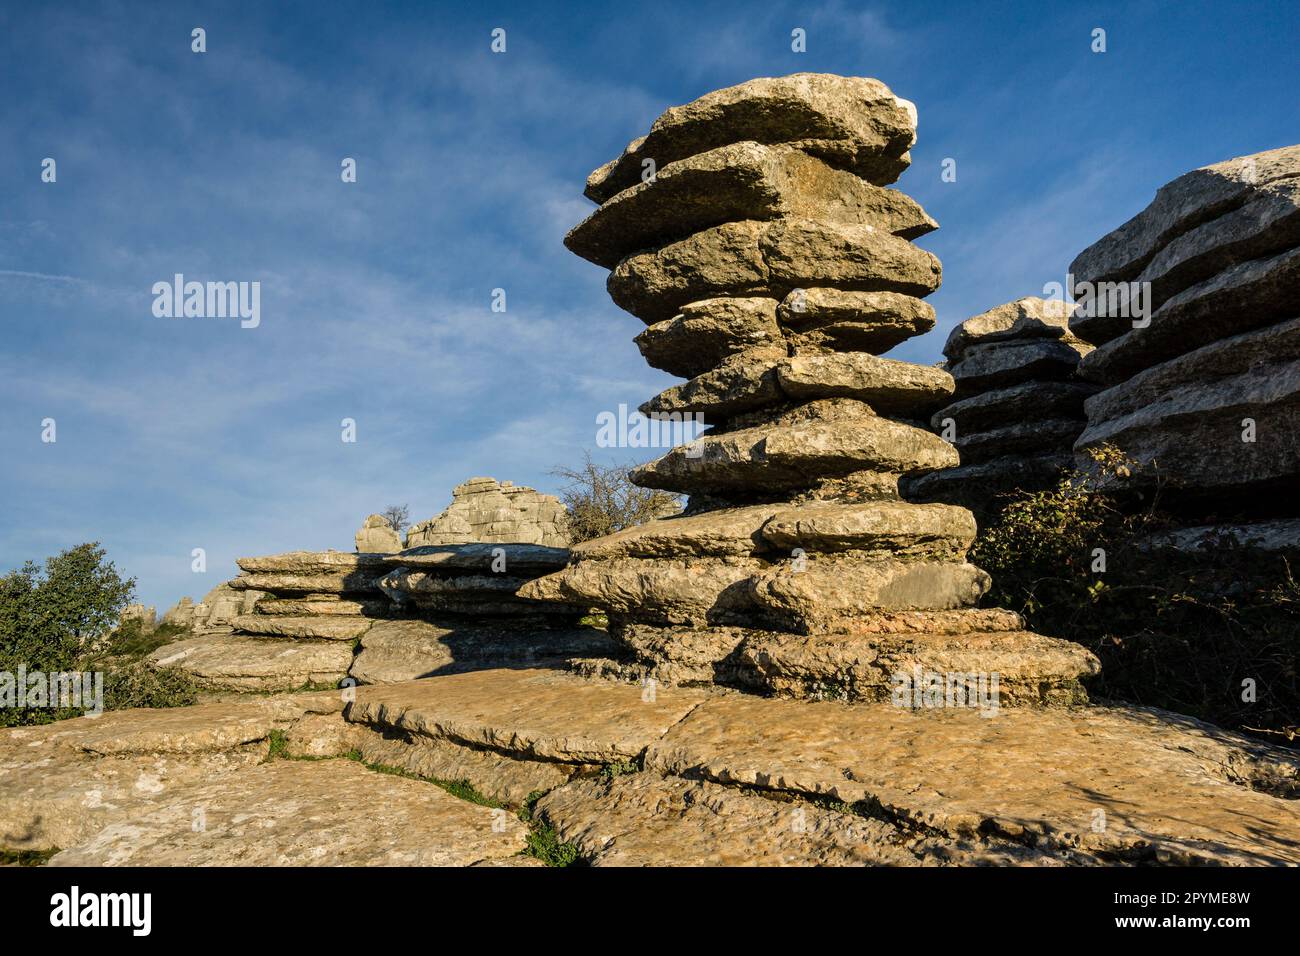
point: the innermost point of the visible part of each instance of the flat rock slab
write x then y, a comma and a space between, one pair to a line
851, 122
1182, 421
828, 438
735, 182
1031, 669
1121, 784
395, 651
533, 713
1038, 436
646, 819
745, 382
1017, 405
60, 783
1179, 206
979, 486
1001, 364
846, 321
707, 332
481, 558
236, 662
306, 813
1240, 299
820, 593
769, 259
330, 627
311, 562
362, 582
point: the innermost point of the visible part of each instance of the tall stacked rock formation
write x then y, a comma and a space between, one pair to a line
1205, 396
1018, 405
485, 510
771, 266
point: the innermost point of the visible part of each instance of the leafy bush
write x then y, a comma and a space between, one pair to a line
602, 500
1172, 629
140, 685
64, 616
50, 617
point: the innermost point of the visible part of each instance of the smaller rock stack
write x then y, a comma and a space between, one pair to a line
459, 606
1018, 408
310, 610
213, 615
769, 262
298, 618
1204, 392
485, 510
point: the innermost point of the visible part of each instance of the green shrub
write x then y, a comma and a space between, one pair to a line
1172, 629
137, 684
50, 617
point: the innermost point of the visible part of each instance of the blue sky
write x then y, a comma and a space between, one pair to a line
175, 434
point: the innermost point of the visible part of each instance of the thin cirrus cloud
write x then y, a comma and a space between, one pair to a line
184, 433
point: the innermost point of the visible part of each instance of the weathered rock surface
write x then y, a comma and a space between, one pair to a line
506, 779
821, 593
1000, 365
485, 510
61, 783
852, 123
235, 662
1014, 405
711, 330
1239, 299
1027, 318
291, 813
533, 714
377, 536
1121, 784
330, 628
1030, 668
769, 259
743, 383
741, 181
844, 321
981, 486
1186, 419
646, 819
832, 439
393, 651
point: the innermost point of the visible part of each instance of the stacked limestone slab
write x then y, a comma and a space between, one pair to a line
1018, 404
1218, 363
311, 608
486, 510
459, 606
771, 265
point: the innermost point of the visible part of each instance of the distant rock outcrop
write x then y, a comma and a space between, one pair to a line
378, 537
485, 510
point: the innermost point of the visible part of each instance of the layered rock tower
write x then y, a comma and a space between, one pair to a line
1018, 405
1203, 390
752, 233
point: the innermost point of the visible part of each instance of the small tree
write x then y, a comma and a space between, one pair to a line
602, 500
48, 617
397, 517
